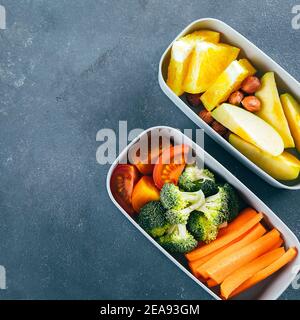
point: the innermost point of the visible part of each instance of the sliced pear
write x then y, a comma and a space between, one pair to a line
180, 57
208, 61
230, 80
292, 112
271, 109
282, 167
249, 127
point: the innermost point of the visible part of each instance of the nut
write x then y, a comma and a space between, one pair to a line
251, 84
193, 99
206, 116
236, 98
251, 103
219, 128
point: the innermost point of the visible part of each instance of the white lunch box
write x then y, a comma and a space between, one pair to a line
268, 289
263, 63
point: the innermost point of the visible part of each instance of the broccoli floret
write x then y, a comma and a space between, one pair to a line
178, 239
216, 207
179, 204
172, 198
194, 179
201, 228
233, 201
152, 219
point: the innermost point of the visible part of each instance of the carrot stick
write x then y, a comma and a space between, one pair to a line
235, 279
255, 233
231, 262
211, 283
266, 272
233, 234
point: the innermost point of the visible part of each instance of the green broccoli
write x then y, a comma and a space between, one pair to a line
201, 228
172, 198
233, 202
179, 204
194, 179
216, 207
178, 239
152, 219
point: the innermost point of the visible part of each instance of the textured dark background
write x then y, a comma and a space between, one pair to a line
68, 69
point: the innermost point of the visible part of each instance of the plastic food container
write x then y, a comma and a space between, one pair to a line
269, 289
262, 62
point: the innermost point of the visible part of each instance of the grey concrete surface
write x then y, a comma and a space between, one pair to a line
68, 69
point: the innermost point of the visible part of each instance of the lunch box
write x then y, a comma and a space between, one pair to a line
262, 62
269, 289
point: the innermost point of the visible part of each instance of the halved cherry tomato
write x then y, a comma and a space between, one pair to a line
145, 163
144, 192
122, 182
170, 165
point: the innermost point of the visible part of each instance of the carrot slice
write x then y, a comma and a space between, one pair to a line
211, 283
225, 239
231, 262
266, 272
255, 233
235, 279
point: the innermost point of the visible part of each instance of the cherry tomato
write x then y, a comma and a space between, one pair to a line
170, 165
122, 182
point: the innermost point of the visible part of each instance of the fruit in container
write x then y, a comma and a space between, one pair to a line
236, 98
229, 81
207, 62
282, 167
292, 112
271, 109
180, 57
249, 127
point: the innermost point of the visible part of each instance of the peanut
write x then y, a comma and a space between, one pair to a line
219, 128
236, 98
251, 84
193, 99
251, 103
206, 116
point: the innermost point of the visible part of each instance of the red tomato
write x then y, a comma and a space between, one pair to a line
122, 182
170, 165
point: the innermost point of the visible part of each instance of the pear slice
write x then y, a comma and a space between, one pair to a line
271, 109
292, 112
249, 127
283, 167
230, 80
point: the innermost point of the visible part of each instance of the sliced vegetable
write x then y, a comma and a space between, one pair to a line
255, 233
144, 192
239, 258
239, 228
235, 279
170, 165
266, 272
122, 182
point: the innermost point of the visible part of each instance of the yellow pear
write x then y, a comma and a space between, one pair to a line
249, 127
292, 112
271, 109
282, 167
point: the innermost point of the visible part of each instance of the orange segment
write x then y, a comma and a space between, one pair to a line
207, 62
229, 81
